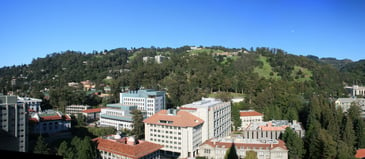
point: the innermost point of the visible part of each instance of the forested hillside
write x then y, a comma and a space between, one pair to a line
278, 84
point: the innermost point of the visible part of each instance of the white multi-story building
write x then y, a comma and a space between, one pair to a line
116, 147
216, 148
76, 109
271, 129
249, 116
180, 132
117, 115
13, 124
147, 100
33, 104
216, 115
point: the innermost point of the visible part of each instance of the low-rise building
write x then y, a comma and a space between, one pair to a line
76, 109
216, 115
117, 115
356, 90
271, 129
180, 132
49, 122
116, 147
249, 116
92, 114
265, 148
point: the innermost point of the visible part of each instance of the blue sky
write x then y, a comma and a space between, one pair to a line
325, 28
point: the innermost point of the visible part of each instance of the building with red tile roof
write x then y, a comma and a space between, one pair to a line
249, 116
265, 148
180, 132
360, 153
92, 114
271, 129
127, 147
49, 122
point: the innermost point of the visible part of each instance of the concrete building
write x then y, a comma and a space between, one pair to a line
116, 147
216, 115
50, 122
271, 129
356, 90
249, 116
33, 104
180, 132
158, 59
147, 100
216, 148
345, 104
76, 109
14, 124
117, 115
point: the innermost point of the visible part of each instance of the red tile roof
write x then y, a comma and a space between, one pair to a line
280, 144
250, 113
120, 147
181, 119
51, 117
95, 110
187, 108
360, 153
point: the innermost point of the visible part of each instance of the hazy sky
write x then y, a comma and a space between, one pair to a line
325, 28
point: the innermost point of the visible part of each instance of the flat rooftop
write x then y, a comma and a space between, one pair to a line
204, 103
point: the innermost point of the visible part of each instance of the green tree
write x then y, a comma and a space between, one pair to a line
41, 147
138, 125
251, 155
236, 116
294, 144
63, 149
231, 153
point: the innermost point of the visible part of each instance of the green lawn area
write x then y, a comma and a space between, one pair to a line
204, 50
266, 70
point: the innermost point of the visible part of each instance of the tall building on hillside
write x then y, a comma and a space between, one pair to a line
180, 132
216, 115
147, 100
14, 124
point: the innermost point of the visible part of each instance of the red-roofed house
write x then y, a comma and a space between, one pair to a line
115, 147
265, 148
249, 116
92, 114
360, 153
49, 122
180, 132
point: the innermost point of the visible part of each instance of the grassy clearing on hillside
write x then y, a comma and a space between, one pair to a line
266, 70
301, 74
204, 50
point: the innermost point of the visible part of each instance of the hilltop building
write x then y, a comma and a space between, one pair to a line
180, 132
116, 147
14, 124
215, 114
265, 148
356, 90
147, 100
